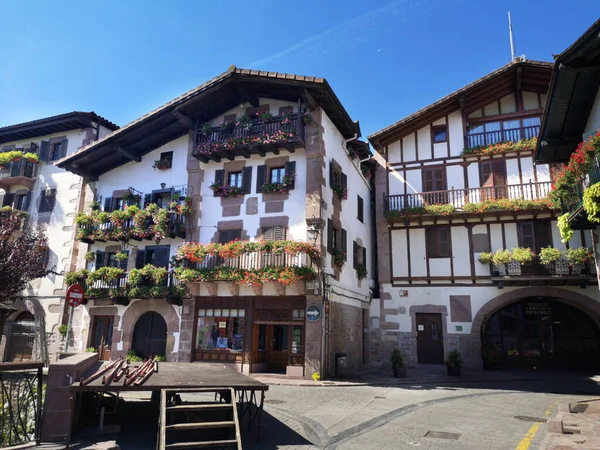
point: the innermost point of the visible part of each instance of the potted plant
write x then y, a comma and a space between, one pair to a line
502, 257
549, 255
207, 128
361, 271
339, 258
397, 361
340, 191
62, 330
580, 256
90, 256
266, 117
454, 363
161, 164
522, 255
244, 122
121, 256
486, 257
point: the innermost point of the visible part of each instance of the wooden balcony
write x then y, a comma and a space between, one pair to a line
18, 172
260, 137
559, 272
108, 231
461, 197
497, 137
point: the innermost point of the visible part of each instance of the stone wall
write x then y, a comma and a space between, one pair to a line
345, 336
56, 415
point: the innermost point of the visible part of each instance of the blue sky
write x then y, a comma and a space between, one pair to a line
385, 60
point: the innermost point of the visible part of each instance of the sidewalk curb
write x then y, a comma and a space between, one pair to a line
386, 383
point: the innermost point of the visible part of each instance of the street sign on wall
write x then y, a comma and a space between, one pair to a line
313, 313
74, 295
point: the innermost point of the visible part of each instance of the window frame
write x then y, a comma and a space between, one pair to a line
442, 170
44, 201
53, 151
437, 128
433, 242
167, 157
360, 205
238, 178
273, 170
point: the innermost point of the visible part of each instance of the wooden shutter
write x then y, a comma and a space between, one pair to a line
344, 181
44, 150
329, 236
431, 241
355, 250
226, 236
361, 207
15, 168
247, 180
268, 233
492, 173
331, 174
261, 175
43, 202
123, 264
140, 259
543, 235
527, 235
219, 178
344, 243
290, 171
100, 259
33, 147
427, 175
364, 256
63, 148
27, 201
108, 204
445, 242
161, 256
8, 199
439, 176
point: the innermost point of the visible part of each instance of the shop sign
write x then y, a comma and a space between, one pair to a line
538, 309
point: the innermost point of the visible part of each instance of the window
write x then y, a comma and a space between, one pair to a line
22, 202
534, 235
336, 238
166, 160
277, 174
501, 131
276, 233
47, 200
440, 134
359, 255
361, 208
55, 151
158, 255
226, 236
297, 339
434, 179
439, 243
235, 179
220, 329
111, 260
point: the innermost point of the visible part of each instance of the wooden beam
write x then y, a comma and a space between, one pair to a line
183, 119
130, 156
309, 100
246, 95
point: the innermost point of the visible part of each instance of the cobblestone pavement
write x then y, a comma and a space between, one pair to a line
477, 415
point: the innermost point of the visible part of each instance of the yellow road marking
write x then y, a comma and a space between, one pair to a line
526, 441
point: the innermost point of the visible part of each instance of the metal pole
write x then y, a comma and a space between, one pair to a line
69, 325
323, 330
512, 41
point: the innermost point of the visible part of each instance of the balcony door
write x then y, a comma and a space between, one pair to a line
536, 236
492, 178
435, 186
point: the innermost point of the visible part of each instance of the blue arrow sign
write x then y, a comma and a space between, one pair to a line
313, 313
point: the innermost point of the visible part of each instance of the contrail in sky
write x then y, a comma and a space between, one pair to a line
356, 20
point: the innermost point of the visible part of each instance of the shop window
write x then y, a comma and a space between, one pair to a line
220, 329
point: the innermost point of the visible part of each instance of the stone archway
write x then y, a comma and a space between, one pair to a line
132, 313
471, 343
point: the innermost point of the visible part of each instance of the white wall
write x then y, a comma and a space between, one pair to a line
593, 123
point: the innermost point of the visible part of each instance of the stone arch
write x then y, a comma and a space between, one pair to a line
131, 316
471, 344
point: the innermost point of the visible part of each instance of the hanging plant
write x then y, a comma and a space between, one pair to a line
90, 256
121, 256
591, 202
340, 191
339, 258
564, 227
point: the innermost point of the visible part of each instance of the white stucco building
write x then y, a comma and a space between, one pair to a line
455, 182
258, 157
51, 196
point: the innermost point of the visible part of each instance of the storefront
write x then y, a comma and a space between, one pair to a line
257, 334
541, 332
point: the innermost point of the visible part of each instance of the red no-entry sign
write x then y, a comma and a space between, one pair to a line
75, 295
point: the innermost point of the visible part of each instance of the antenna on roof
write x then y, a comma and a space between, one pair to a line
512, 41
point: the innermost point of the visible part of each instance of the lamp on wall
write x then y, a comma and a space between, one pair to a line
313, 233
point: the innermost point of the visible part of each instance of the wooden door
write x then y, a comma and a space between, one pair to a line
430, 347
102, 336
278, 347
150, 335
22, 338
492, 177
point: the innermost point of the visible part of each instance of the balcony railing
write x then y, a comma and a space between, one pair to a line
147, 287
18, 172
253, 260
258, 137
559, 268
107, 231
460, 197
496, 137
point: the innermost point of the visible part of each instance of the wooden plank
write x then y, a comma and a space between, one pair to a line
206, 444
200, 425
206, 407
